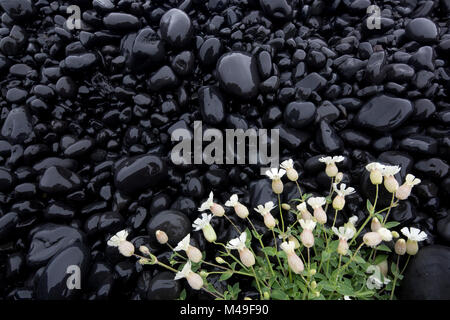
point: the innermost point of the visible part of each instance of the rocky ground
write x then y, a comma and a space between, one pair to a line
87, 115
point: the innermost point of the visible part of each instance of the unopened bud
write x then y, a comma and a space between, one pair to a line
312, 272
372, 239
266, 295
209, 233
195, 281
391, 184
400, 247
162, 237
126, 248
247, 298
241, 210
313, 285
339, 177
217, 210
307, 238
285, 206
277, 186
144, 250
247, 257
375, 225
376, 177
395, 234
292, 174
412, 247
219, 260
331, 170
194, 254
338, 203
203, 274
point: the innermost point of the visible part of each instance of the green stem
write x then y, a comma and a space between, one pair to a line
262, 246
276, 249
335, 216
404, 268
389, 209
257, 283
281, 213
351, 259
299, 190
229, 220
395, 280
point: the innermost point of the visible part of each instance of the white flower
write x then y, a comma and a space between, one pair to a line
234, 200
391, 170
275, 174
194, 280
183, 245
184, 273
343, 191
374, 166
287, 164
375, 281
316, 202
344, 233
237, 243
202, 222
347, 298
263, 210
208, 203
353, 219
308, 224
302, 207
414, 234
411, 180
288, 247
385, 234
119, 237
331, 160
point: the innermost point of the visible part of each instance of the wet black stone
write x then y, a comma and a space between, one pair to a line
139, 173
292, 138
100, 281
164, 78
164, 287
423, 58
59, 211
238, 74
6, 180
399, 72
261, 192
279, 9
176, 28
58, 180
212, 105
16, 95
423, 109
422, 30
121, 22
401, 159
264, 64
355, 138
312, 81
443, 228
79, 63
433, 167
183, 63
419, 143
14, 265
8, 224
327, 139
18, 9
423, 278
79, 148
384, 113
66, 88
299, 114
17, 127
174, 223
210, 51
404, 213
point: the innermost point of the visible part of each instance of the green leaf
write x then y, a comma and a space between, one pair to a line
325, 255
391, 224
383, 247
326, 285
369, 206
345, 289
226, 275
380, 258
279, 295
183, 294
270, 251
359, 260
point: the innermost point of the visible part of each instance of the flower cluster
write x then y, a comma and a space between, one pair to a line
312, 258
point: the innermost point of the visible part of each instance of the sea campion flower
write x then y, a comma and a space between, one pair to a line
119, 240
400, 247
375, 224
375, 281
161, 236
316, 203
307, 236
193, 253
342, 192
194, 280
414, 235
239, 208
306, 215
372, 239
351, 223
385, 234
216, 209
294, 261
246, 256
339, 177
331, 170
404, 190
275, 175
269, 220
376, 172
344, 235
390, 183
291, 173
203, 224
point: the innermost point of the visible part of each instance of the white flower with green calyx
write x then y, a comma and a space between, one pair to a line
351, 223
216, 209
193, 253
376, 172
119, 240
240, 210
390, 183
344, 234
305, 214
319, 214
376, 280
294, 261
194, 280
246, 256
203, 224
331, 170
342, 192
291, 173
275, 175
269, 220
307, 237
404, 190
385, 234
414, 236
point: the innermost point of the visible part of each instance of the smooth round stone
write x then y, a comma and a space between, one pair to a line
6, 180
279, 9
238, 74
433, 167
18, 9
212, 105
292, 138
443, 228
108, 222
8, 224
424, 278
399, 72
174, 223
264, 64
312, 81
183, 63
327, 139
58, 180
399, 158
299, 114
46, 163
355, 138
162, 79
419, 143
121, 22
422, 30
404, 213
139, 173
16, 95
261, 192
423, 58
164, 287
66, 88
210, 51
384, 113
423, 109
82, 62
14, 265
48, 239
52, 283
79, 148
59, 211
17, 127
176, 28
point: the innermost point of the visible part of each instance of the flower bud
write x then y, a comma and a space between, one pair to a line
194, 254
162, 237
312, 272
403, 192
338, 202
247, 298
383, 265
372, 239
400, 247
320, 215
391, 184
285, 206
247, 257
395, 234
375, 224
292, 174
266, 295
376, 177
295, 263
385, 234
277, 186
412, 247
313, 285
295, 241
241, 210
269, 221
342, 247
217, 210
126, 248
195, 281
219, 260
307, 238
339, 177
209, 233
144, 250
306, 215
331, 170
